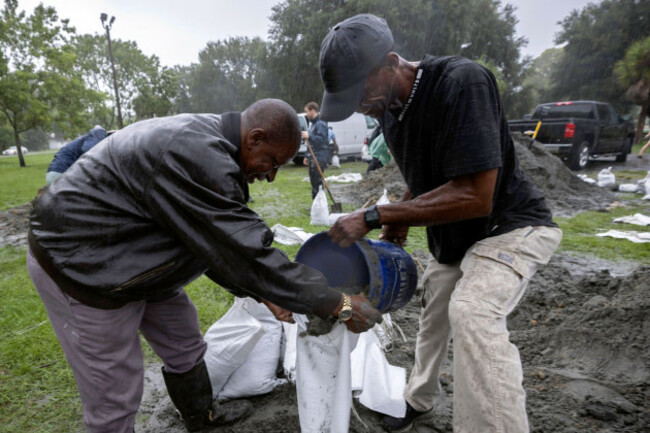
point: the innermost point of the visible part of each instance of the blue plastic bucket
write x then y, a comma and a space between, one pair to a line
383, 270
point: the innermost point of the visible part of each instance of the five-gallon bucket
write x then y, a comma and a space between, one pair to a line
381, 269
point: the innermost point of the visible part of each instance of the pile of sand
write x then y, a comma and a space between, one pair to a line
584, 340
565, 193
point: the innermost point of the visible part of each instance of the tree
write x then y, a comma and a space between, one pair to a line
477, 29
157, 92
231, 75
141, 78
539, 77
38, 84
633, 73
596, 38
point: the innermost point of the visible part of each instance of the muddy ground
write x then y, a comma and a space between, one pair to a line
583, 332
583, 328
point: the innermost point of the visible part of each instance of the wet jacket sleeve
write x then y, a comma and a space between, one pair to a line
196, 192
318, 140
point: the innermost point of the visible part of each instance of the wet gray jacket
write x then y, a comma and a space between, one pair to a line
156, 205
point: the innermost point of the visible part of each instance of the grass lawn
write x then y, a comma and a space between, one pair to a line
37, 390
20, 184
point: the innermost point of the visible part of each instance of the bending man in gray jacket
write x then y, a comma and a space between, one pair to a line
149, 209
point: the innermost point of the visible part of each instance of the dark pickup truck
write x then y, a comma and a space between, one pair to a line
578, 130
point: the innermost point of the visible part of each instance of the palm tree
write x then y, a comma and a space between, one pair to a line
633, 73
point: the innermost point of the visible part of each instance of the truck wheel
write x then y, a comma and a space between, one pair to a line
627, 146
579, 156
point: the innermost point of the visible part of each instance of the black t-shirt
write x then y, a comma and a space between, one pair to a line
453, 124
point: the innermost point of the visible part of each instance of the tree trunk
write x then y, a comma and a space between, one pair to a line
641, 121
19, 148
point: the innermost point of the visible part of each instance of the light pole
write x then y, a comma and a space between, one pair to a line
107, 26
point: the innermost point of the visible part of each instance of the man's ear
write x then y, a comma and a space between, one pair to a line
391, 61
256, 136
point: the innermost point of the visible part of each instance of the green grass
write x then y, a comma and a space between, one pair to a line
18, 184
580, 231
37, 390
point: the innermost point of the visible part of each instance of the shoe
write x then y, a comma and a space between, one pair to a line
191, 393
229, 412
401, 425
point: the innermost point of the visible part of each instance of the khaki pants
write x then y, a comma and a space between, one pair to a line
469, 301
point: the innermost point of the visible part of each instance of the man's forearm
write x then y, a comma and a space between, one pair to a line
462, 199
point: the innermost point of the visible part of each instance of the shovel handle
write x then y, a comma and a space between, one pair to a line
320, 171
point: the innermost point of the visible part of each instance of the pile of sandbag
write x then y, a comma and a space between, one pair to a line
607, 179
247, 345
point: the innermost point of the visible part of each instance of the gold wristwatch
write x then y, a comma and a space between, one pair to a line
346, 309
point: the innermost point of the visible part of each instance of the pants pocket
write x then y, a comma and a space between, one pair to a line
494, 279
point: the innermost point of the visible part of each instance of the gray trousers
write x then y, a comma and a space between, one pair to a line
103, 349
470, 301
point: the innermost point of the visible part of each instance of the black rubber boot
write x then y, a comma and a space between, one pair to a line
191, 393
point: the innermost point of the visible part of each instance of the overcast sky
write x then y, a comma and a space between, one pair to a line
176, 31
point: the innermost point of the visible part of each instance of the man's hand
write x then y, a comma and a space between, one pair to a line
349, 228
394, 233
305, 135
364, 315
305, 161
280, 313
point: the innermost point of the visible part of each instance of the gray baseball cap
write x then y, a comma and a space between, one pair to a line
349, 52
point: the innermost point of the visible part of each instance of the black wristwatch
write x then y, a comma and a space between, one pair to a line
371, 217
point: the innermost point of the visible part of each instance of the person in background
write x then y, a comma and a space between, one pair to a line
317, 138
113, 242
333, 147
645, 146
69, 153
488, 227
379, 152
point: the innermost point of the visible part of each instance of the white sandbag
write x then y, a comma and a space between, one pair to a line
637, 219
258, 375
645, 183
323, 380
378, 385
319, 210
383, 199
289, 235
633, 236
289, 356
606, 178
336, 162
628, 187
230, 340
586, 178
344, 178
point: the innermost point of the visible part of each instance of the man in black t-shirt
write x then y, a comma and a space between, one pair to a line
488, 227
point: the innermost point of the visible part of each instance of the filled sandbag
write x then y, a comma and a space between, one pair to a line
230, 340
258, 374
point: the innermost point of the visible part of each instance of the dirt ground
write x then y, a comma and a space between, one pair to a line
583, 328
